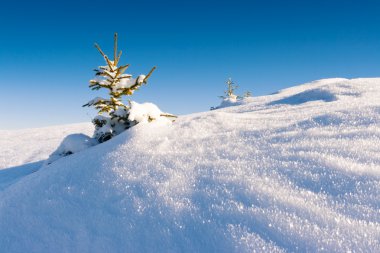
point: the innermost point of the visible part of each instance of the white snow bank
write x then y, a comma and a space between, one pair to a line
260, 177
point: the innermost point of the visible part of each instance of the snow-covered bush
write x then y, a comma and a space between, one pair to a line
229, 97
71, 144
114, 116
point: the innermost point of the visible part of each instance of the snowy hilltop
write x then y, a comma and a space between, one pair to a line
295, 171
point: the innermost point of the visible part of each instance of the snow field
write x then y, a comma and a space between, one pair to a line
296, 171
23, 146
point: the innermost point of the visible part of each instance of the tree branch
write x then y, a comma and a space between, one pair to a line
115, 49
100, 50
148, 75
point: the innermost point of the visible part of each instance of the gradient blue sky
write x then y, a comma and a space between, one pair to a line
47, 54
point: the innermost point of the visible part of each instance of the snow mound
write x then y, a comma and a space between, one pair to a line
260, 177
307, 96
326, 90
72, 144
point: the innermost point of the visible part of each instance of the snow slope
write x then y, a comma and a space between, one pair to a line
296, 171
32, 145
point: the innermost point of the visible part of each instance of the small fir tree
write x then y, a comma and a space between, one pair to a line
247, 94
230, 98
229, 93
114, 115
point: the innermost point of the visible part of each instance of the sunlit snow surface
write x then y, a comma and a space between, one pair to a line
18, 147
296, 171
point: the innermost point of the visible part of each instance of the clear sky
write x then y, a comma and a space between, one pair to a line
47, 53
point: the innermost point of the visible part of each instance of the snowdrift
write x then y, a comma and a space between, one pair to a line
295, 171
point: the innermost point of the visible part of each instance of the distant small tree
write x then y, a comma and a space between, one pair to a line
230, 98
231, 87
114, 116
247, 94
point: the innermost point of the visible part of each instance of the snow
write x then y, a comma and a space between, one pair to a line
124, 80
117, 122
296, 171
72, 144
144, 112
120, 112
23, 146
229, 101
128, 82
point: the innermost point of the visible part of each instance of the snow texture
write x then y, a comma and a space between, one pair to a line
296, 171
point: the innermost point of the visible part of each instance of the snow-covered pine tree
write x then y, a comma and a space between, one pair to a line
114, 116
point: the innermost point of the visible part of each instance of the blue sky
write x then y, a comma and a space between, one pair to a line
47, 53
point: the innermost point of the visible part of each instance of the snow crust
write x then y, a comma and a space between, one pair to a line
296, 171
